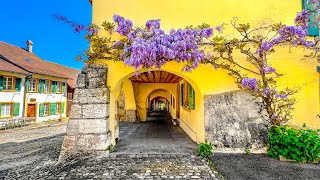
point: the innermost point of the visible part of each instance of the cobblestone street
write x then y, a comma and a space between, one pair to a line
23, 156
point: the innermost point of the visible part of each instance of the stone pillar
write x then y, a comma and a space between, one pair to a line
88, 127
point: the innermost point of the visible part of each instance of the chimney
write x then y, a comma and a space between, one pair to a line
29, 46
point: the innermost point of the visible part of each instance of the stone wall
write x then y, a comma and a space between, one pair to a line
235, 121
88, 126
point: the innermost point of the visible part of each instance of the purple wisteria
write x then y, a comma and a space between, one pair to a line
152, 47
250, 83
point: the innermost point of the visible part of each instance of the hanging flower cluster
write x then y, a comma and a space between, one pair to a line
152, 47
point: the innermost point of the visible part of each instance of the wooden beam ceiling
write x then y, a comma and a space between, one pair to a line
156, 77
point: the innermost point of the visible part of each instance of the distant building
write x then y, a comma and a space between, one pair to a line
32, 87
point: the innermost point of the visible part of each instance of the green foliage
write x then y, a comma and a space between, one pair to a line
205, 149
247, 151
302, 145
111, 148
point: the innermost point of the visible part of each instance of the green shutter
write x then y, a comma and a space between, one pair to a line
181, 94
41, 107
28, 85
0, 109
62, 107
313, 29
64, 88
41, 86
191, 97
53, 108
1, 83
54, 86
16, 109
18, 84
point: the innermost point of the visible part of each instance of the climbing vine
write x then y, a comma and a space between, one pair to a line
151, 47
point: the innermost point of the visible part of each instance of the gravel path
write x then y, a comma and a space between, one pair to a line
258, 167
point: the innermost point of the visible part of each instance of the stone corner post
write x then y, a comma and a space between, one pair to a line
88, 127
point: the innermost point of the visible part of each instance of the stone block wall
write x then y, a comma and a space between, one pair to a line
235, 121
88, 126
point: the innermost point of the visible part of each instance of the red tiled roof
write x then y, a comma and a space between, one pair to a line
32, 63
8, 67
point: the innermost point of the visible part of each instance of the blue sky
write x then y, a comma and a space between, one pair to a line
52, 40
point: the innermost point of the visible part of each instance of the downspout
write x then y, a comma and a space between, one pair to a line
28, 77
318, 69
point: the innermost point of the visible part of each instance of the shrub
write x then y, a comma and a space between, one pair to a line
302, 145
111, 148
205, 149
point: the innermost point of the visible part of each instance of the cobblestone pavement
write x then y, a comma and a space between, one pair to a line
24, 156
31, 132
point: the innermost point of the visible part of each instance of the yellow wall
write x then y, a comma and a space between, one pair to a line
206, 80
130, 103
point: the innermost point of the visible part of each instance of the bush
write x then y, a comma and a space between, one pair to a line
302, 145
205, 149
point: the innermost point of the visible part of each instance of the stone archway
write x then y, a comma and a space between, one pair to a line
88, 127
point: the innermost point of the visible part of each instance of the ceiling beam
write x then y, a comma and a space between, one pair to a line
144, 77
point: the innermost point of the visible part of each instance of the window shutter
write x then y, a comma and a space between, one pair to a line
41, 86
0, 109
18, 84
62, 107
53, 108
181, 94
41, 107
54, 83
1, 83
64, 88
16, 109
28, 85
313, 29
191, 97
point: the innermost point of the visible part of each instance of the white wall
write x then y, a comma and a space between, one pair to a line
15, 97
47, 98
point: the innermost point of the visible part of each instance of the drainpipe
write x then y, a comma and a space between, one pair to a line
25, 94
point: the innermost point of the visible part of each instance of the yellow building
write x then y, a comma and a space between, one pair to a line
207, 103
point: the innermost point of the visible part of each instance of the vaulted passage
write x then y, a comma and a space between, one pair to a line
158, 135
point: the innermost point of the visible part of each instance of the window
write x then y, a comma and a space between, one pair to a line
187, 96
32, 85
8, 83
46, 111
58, 108
313, 29
47, 86
58, 87
6, 110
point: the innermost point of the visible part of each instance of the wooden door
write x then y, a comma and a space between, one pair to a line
31, 111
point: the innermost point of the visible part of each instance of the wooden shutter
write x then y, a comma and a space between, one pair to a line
313, 29
41, 85
18, 84
182, 94
1, 83
64, 88
16, 109
54, 86
41, 107
53, 108
27, 85
191, 97
62, 107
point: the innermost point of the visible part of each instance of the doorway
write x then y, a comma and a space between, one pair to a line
31, 110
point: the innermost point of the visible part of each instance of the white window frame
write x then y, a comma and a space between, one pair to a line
47, 86
46, 110
6, 83
6, 110
59, 87
58, 108
33, 85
